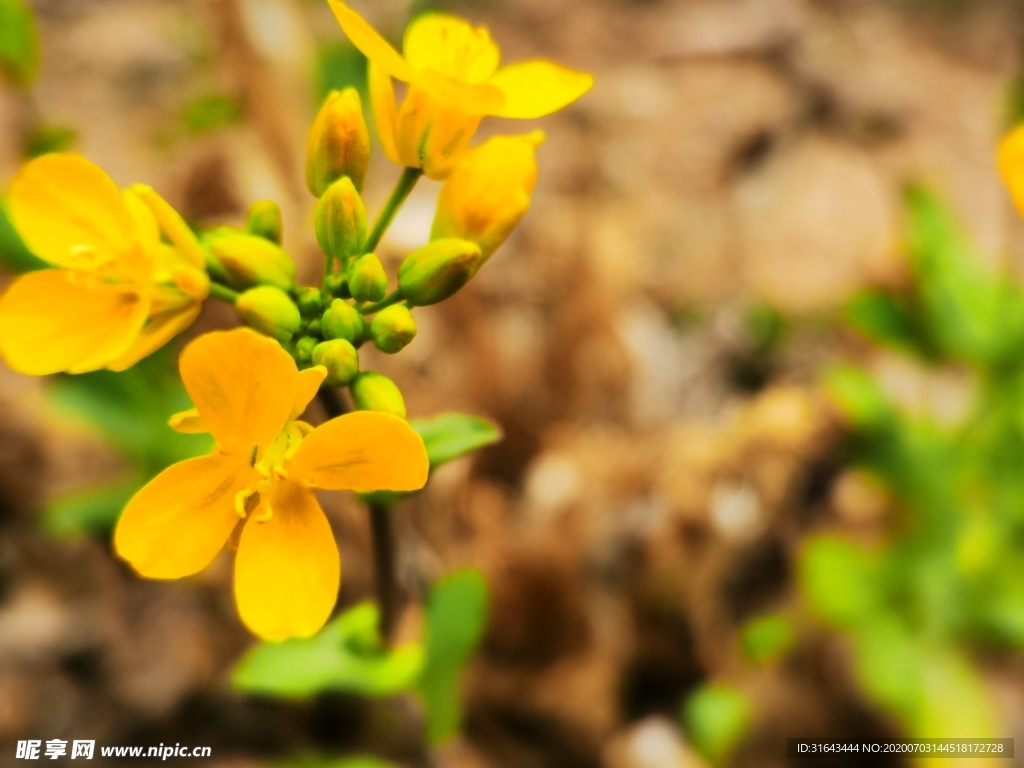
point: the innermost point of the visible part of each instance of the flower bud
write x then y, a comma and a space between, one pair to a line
339, 143
304, 350
270, 311
249, 260
392, 329
265, 221
310, 301
374, 392
342, 321
340, 359
367, 280
336, 286
437, 270
340, 222
488, 192
313, 329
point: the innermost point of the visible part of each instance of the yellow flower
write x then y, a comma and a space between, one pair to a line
488, 192
118, 292
248, 394
454, 81
1011, 165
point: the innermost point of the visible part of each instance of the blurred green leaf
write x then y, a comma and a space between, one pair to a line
840, 580
19, 42
859, 397
339, 65
717, 718
344, 762
209, 113
346, 655
887, 662
455, 623
452, 435
883, 319
14, 254
50, 138
767, 637
91, 511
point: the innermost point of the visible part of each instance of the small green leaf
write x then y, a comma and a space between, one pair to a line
859, 397
452, 435
19, 42
456, 619
767, 637
50, 138
840, 580
14, 254
346, 655
716, 718
883, 319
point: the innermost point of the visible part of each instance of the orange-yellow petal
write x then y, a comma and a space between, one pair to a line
55, 320
308, 385
385, 111
538, 88
188, 422
287, 571
472, 98
370, 43
182, 518
451, 46
362, 451
157, 332
243, 385
1010, 160
69, 212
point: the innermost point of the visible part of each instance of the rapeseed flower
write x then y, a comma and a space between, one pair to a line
117, 292
488, 192
454, 81
248, 393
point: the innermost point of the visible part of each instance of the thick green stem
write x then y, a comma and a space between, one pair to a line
405, 184
387, 301
223, 293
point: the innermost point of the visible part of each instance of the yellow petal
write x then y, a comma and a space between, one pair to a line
157, 332
63, 205
370, 43
172, 225
430, 135
308, 385
1010, 160
243, 385
385, 113
472, 98
452, 47
362, 451
537, 88
188, 422
182, 518
287, 571
146, 227
55, 320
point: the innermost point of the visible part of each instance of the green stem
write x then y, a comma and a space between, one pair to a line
387, 301
405, 184
223, 293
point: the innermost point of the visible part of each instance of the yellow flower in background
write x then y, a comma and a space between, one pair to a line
117, 293
454, 81
1010, 160
488, 192
248, 393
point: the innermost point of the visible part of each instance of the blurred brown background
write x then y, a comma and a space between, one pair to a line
659, 469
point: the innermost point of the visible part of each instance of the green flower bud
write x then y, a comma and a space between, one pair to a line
249, 260
270, 311
314, 328
340, 359
367, 280
336, 286
339, 143
340, 222
374, 392
392, 329
304, 350
437, 270
265, 221
342, 321
310, 301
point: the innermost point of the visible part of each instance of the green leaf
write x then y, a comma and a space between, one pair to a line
767, 637
859, 397
346, 655
91, 511
839, 580
19, 42
14, 254
887, 663
50, 138
209, 113
452, 435
344, 762
456, 619
339, 65
716, 718
883, 319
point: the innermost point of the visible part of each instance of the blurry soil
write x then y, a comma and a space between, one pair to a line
662, 462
